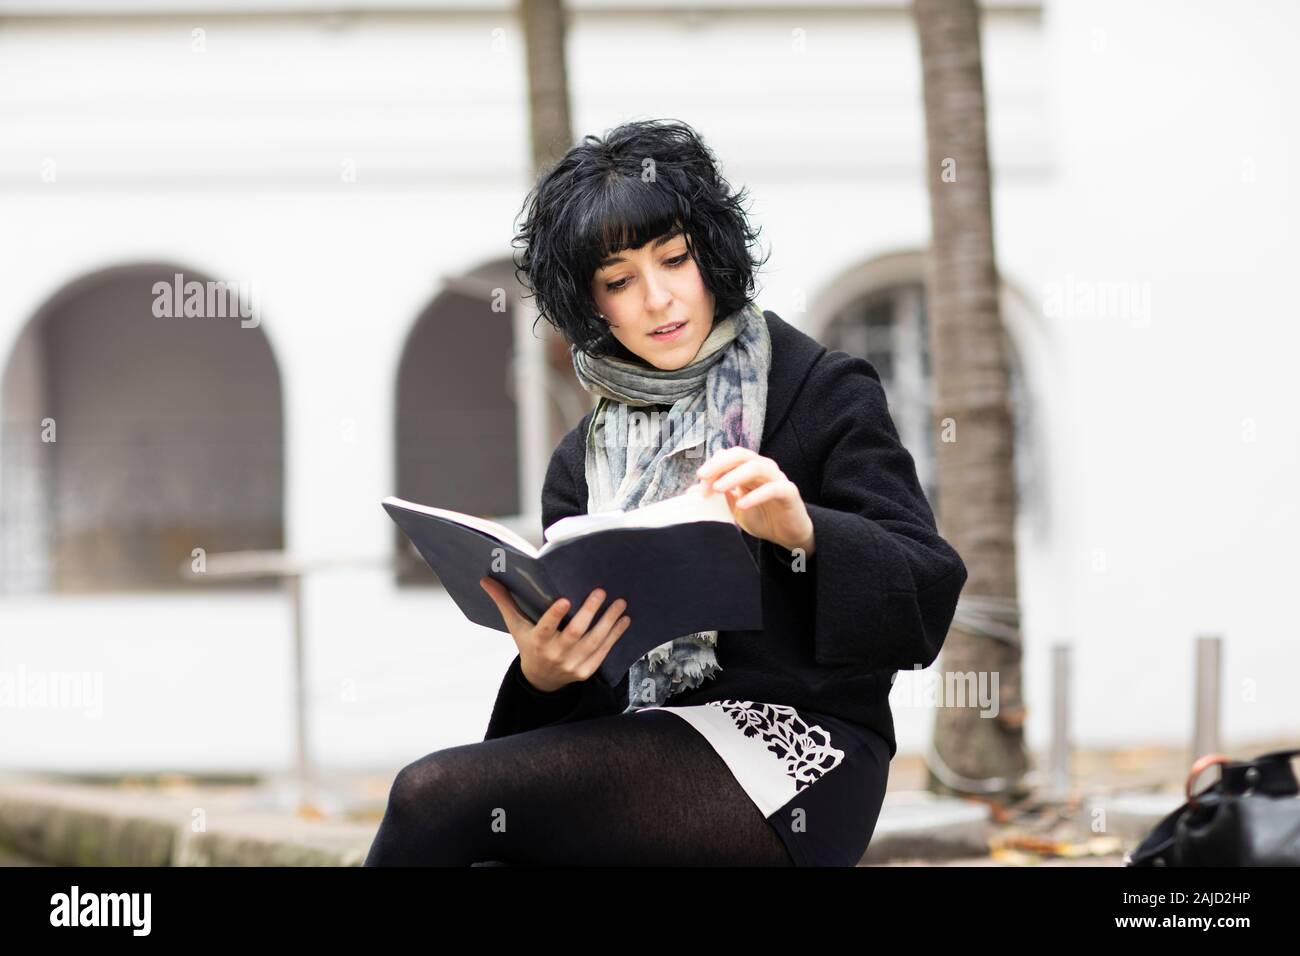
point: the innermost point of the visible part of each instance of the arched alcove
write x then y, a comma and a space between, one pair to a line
135, 431
464, 438
457, 419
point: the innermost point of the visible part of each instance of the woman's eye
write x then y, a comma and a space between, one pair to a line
672, 263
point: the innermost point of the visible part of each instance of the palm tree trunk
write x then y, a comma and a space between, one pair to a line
544, 23
976, 505
548, 80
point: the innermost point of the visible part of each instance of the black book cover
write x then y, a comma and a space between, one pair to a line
676, 579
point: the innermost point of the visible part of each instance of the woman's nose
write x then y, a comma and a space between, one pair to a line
656, 293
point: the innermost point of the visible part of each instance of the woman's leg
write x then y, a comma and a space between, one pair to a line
636, 789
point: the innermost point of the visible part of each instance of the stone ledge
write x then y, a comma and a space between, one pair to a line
70, 824
79, 825
269, 840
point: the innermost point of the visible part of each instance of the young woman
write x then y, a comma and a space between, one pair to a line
766, 747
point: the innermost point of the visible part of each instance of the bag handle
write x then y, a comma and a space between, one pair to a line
1202, 764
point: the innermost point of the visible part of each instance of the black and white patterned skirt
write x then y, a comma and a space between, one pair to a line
818, 780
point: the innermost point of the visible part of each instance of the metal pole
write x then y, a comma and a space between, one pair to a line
293, 582
1205, 731
1059, 756
529, 369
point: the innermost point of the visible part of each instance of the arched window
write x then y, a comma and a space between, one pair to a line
457, 421
131, 438
889, 328
485, 391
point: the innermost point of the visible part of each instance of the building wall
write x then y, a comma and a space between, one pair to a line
345, 165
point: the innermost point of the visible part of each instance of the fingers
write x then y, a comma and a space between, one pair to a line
591, 642
580, 621
602, 635
771, 491
723, 460
597, 656
547, 624
607, 620
757, 469
511, 616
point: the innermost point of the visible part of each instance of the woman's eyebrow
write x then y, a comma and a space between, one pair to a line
661, 241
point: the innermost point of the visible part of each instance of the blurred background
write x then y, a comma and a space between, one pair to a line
344, 182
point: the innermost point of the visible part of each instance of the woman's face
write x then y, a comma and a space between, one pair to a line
640, 290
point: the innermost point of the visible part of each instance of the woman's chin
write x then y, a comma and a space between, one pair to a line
670, 363
671, 358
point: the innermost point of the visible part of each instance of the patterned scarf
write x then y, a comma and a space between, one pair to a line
635, 458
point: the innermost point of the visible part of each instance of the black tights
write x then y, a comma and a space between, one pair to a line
635, 789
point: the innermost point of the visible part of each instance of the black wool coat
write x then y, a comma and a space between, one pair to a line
876, 596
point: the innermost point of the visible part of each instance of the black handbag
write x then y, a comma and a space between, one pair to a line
1250, 816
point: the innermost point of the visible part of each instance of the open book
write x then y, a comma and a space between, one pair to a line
680, 563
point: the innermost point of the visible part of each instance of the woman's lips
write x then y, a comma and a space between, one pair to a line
669, 336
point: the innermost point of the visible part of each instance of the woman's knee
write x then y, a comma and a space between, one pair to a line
423, 785
451, 782
430, 809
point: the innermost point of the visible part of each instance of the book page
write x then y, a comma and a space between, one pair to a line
488, 527
690, 505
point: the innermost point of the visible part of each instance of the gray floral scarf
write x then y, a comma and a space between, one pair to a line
635, 457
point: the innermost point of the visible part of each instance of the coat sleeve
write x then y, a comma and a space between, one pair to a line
885, 583
519, 705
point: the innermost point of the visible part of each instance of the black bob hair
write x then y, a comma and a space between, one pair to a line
645, 179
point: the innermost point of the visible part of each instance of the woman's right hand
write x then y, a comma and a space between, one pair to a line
551, 658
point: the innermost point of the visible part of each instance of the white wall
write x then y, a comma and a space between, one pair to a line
1124, 164
1174, 127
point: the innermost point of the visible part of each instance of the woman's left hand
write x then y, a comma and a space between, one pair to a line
763, 501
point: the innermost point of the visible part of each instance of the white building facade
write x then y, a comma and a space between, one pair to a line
358, 176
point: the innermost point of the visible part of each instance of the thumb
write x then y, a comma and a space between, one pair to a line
505, 602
